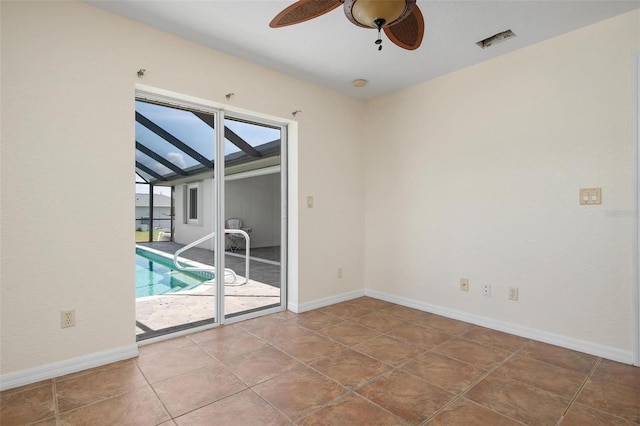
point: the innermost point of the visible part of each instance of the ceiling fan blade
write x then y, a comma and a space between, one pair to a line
303, 10
408, 32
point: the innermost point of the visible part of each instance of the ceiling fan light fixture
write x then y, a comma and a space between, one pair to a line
369, 13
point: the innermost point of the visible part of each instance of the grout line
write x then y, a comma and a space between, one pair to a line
349, 390
579, 391
153, 389
56, 410
474, 384
270, 404
205, 405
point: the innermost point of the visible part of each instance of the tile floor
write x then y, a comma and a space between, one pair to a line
362, 362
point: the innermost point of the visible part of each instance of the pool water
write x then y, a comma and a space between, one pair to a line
156, 274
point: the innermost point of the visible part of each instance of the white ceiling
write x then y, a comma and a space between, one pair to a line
332, 52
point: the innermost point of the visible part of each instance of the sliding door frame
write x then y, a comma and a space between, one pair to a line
220, 111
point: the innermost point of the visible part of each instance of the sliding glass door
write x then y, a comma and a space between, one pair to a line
214, 242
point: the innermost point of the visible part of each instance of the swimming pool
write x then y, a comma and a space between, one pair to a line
156, 274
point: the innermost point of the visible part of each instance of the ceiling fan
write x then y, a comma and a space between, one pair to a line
401, 20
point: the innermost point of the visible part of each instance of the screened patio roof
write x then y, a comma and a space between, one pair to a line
174, 143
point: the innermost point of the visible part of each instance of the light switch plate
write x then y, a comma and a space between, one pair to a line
590, 196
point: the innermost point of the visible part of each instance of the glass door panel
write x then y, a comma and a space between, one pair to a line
175, 157
253, 216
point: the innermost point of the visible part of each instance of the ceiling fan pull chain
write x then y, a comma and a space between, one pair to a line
379, 23
379, 41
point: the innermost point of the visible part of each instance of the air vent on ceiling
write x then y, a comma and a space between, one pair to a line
496, 38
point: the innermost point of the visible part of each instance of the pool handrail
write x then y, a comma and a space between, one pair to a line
176, 262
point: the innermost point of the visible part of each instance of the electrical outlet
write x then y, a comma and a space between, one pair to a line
464, 284
513, 293
67, 318
339, 272
486, 290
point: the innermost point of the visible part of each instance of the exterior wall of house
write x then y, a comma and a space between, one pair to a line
69, 74
476, 174
188, 231
256, 201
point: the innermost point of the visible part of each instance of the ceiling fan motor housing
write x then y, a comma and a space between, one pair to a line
370, 13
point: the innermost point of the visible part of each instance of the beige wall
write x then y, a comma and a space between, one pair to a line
476, 174
68, 87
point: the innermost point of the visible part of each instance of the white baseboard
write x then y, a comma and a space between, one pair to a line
298, 309
591, 348
57, 369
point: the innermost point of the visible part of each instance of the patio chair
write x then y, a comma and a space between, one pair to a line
236, 241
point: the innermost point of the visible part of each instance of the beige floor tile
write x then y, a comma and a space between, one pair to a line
406, 396
280, 332
47, 422
196, 389
495, 339
616, 372
112, 365
256, 323
447, 373
310, 347
284, 315
299, 392
473, 353
164, 346
27, 404
467, 413
371, 303
565, 358
97, 385
350, 368
227, 346
346, 310
244, 408
424, 337
445, 325
352, 410
405, 314
214, 333
349, 333
379, 321
139, 407
264, 364
518, 401
174, 362
581, 415
623, 401
315, 320
389, 350
557, 380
